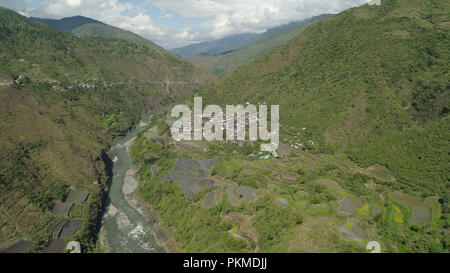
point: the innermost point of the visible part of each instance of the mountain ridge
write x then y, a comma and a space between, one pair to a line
225, 62
233, 42
81, 26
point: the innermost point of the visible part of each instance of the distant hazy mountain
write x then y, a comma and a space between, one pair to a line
244, 52
217, 46
227, 44
230, 43
82, 26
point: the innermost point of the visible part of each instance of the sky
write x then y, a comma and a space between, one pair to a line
176, 23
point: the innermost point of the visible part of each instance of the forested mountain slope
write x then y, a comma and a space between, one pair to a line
372, 82
62, 101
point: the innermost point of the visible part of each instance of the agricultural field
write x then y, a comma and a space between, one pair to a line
222, 197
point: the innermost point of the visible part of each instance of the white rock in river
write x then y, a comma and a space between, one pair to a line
130, 185
122, 221
112, 211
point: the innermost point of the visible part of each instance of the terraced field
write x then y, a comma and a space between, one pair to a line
271, 204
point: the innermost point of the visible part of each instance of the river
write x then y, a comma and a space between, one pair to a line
124, 228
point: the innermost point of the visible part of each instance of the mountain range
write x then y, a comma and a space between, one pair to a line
67, 24
230, 58
364, 97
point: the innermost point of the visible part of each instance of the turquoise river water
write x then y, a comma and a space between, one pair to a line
124, 228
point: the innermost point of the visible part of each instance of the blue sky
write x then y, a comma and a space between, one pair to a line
175, 23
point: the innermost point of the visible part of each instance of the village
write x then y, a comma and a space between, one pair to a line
240, 127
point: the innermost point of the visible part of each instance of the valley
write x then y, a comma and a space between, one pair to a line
65, 102
88, 155
225, 61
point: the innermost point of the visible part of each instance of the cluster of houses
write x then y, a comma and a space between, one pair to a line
294, 144
81, 85
236, 124
108, 85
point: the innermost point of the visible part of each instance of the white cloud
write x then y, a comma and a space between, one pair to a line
194, 8
73, 3
167, 15
120, 14
19, 5
240, 16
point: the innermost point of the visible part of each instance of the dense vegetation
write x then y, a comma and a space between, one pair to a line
307, 189
372, 81
365, 92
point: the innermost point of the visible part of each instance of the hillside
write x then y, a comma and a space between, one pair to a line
364, 132
368, 82
63, 101
224, 62
107, 31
